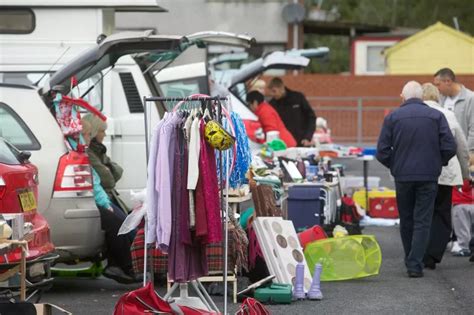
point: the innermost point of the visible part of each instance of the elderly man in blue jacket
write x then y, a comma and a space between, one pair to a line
415, 142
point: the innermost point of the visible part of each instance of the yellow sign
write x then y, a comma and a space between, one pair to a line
27, 200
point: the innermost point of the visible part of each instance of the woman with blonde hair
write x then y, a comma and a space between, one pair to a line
119, 259
109, 171
451, 175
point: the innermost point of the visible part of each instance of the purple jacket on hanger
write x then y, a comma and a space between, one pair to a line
151, 193
164, 180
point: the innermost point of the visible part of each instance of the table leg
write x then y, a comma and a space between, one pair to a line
23, 274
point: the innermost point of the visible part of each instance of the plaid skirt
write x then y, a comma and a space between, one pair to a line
160, 260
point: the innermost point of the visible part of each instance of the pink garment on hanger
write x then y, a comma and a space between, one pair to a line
208, 174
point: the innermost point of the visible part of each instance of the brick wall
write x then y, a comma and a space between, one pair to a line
336, 98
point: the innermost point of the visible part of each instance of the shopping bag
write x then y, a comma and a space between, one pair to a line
251, 306
140, 301
146, 300
67, 117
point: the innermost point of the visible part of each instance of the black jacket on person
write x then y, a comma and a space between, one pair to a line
415, 142
297, 115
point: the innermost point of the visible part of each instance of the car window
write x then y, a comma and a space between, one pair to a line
14, 130
94, 97
8, 153
183, 88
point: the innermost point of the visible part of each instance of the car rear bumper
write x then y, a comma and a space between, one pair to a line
75, 227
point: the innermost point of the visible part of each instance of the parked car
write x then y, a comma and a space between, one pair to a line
18, 196
33, 48
65, 196
66, 186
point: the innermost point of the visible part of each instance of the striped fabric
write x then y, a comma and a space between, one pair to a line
160, 260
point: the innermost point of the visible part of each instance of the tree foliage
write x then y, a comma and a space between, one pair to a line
395, 13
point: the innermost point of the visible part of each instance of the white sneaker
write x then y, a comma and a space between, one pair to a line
455, 248
449, 246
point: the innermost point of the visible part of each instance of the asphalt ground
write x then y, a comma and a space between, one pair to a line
447, 290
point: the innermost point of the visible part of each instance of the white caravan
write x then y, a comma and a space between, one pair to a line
110, 76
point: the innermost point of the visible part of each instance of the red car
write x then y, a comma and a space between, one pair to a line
18, 195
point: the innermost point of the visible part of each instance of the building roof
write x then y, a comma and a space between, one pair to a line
341, 28
438, 26
399, 32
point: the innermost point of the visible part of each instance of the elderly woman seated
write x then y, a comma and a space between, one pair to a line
119, 260
109, 172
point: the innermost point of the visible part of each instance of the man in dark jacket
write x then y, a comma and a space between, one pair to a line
294, 110
415, 142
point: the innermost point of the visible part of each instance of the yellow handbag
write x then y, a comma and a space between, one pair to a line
217, 136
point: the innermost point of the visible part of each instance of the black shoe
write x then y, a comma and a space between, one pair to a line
472, 258
117, 274
414, 274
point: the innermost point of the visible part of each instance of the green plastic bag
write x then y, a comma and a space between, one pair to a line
349, 257
277, 145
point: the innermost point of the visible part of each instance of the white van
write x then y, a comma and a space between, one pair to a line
111, 74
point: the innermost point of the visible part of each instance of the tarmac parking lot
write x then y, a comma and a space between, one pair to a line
446, 290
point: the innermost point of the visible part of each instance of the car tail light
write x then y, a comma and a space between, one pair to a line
3, 187
74, 176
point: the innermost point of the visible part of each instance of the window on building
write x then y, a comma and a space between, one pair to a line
375, 59
16, 21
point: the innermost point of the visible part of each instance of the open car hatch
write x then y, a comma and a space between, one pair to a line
289, 60
106, 54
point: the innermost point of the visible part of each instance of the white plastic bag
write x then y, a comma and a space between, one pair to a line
135, 217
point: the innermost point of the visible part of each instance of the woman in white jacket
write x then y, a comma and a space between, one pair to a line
451, 175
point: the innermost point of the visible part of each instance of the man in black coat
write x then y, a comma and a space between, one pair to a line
415, 142
294, 110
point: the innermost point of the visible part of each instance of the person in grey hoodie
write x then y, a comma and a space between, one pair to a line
451, 175
457, 98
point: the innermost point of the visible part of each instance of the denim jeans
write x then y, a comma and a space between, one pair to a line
415, 202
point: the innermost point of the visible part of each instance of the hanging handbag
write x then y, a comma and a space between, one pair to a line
251, 306
217, 136
68, 116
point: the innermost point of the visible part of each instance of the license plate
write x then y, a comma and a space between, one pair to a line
27, 200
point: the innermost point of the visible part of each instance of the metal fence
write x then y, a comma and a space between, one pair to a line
355, 120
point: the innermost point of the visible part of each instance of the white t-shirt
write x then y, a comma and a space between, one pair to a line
450, 101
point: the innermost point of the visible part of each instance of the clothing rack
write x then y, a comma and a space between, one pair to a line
200, 290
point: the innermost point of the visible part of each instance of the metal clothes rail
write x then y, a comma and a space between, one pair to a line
203, 295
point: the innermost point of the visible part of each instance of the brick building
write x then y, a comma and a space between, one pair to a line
355, 106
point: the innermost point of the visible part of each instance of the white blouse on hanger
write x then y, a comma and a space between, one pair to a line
193, 160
